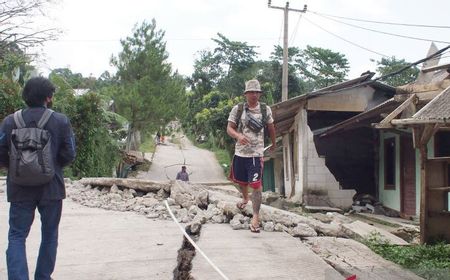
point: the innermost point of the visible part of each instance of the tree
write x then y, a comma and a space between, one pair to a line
75, 80
18, 26
270, 74
320, 67
392, 64
225, 69
148, 94
236, 60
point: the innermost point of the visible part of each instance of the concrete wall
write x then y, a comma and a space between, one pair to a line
320, 179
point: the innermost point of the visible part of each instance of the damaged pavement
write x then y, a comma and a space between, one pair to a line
116, 244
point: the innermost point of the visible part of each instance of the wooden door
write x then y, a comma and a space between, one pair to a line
408, 177
268, 178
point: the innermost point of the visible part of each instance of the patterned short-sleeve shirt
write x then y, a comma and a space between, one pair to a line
256, 146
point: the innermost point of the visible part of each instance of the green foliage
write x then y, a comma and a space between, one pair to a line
74, 80
320, 67
392, 64
270, 75
10, 98
223, 156
428, 261
147, 93
97, 130
97, 151
148, 145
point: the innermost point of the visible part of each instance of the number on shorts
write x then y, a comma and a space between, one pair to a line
255, 177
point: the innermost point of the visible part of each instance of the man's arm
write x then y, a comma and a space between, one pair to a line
232, 131
4, 156
67, 151
271, 128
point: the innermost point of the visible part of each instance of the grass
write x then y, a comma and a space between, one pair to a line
222, 156
431, 262
148, 146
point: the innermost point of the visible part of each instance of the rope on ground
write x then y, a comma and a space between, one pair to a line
193, 243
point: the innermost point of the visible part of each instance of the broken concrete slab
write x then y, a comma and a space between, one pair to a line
350, 257
363, 230
267, 255
99, 244
322, 209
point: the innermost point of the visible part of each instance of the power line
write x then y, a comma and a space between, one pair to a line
382, 22
386, 33
384, 77
343, 39
294, 33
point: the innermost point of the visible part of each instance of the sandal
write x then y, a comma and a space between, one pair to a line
241, 205
254, 229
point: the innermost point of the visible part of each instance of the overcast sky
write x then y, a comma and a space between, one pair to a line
93, 28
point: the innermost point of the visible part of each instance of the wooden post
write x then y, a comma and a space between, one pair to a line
423, 194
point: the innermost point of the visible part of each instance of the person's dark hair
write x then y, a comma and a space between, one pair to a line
36, 91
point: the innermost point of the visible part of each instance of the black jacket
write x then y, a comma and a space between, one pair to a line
63, 150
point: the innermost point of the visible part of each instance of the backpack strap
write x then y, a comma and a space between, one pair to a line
44, 119
263, 107
240, 109
18, 119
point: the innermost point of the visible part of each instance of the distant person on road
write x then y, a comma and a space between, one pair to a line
27, 195
183, 175
158, 138
246, 124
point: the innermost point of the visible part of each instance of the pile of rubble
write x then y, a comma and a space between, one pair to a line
197, 204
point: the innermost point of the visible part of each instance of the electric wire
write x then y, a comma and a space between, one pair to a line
343, 39
384, 77
386, 33
281, 32
382, 22
294, 32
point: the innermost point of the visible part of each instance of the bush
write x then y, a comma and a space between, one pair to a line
97, 151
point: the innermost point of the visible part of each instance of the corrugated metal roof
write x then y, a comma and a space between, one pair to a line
436, 109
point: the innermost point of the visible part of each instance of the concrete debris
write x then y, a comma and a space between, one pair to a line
350, 257
363, 230
197, 204
303, 230
269, 226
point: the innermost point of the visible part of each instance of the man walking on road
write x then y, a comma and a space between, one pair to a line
44, 189
246, 124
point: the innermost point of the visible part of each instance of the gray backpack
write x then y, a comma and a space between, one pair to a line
30, 157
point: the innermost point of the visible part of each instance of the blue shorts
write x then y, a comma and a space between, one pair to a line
247, 171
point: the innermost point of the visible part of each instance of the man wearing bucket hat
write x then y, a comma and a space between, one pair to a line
246, 124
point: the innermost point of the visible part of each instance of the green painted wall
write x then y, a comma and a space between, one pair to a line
430, 148
389, 198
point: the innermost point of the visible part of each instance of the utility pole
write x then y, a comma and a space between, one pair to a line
284, 79
289, 184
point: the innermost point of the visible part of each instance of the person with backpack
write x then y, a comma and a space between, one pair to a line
35, 144
246, 123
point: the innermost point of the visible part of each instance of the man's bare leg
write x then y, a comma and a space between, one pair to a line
256, 202
244, 191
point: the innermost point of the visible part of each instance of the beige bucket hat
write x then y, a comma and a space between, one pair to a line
252, 85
